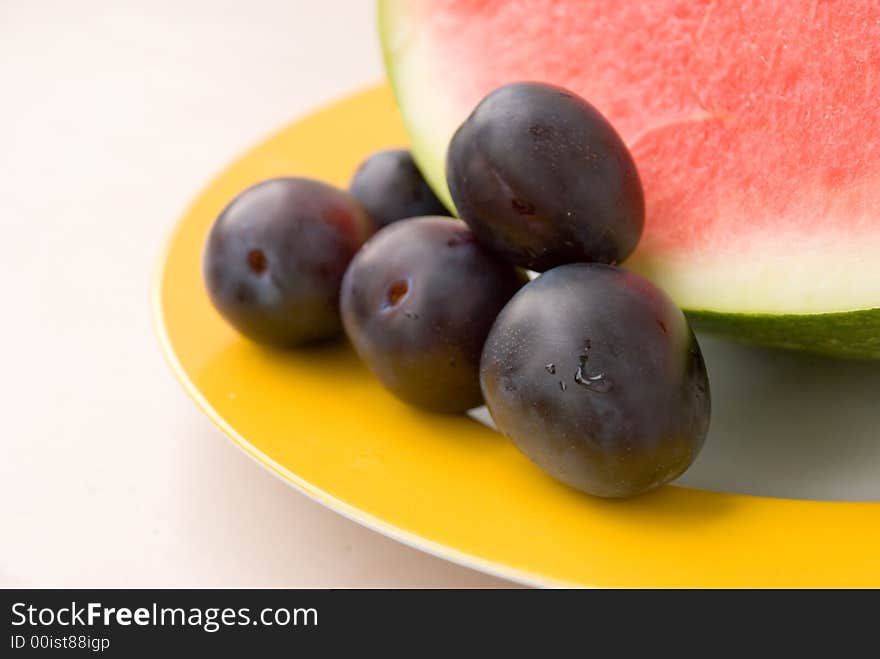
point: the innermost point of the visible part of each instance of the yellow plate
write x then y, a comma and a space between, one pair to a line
451, 486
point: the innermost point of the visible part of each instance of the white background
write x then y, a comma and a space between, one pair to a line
112, 116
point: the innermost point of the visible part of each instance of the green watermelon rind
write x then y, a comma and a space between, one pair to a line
434, 172
844, 334
847, 334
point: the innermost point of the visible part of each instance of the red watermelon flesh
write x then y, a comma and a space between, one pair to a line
755, 127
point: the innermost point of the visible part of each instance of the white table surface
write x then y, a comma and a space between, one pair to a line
112, 116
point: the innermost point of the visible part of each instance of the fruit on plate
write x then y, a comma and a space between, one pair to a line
390, 187
543, 179
596, 376
755, 127
275, 257
418, 301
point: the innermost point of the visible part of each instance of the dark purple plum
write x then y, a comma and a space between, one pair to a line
543, 179
596, 376
417, 302
390, 187
275, 257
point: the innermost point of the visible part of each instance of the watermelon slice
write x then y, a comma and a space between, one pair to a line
755, 126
